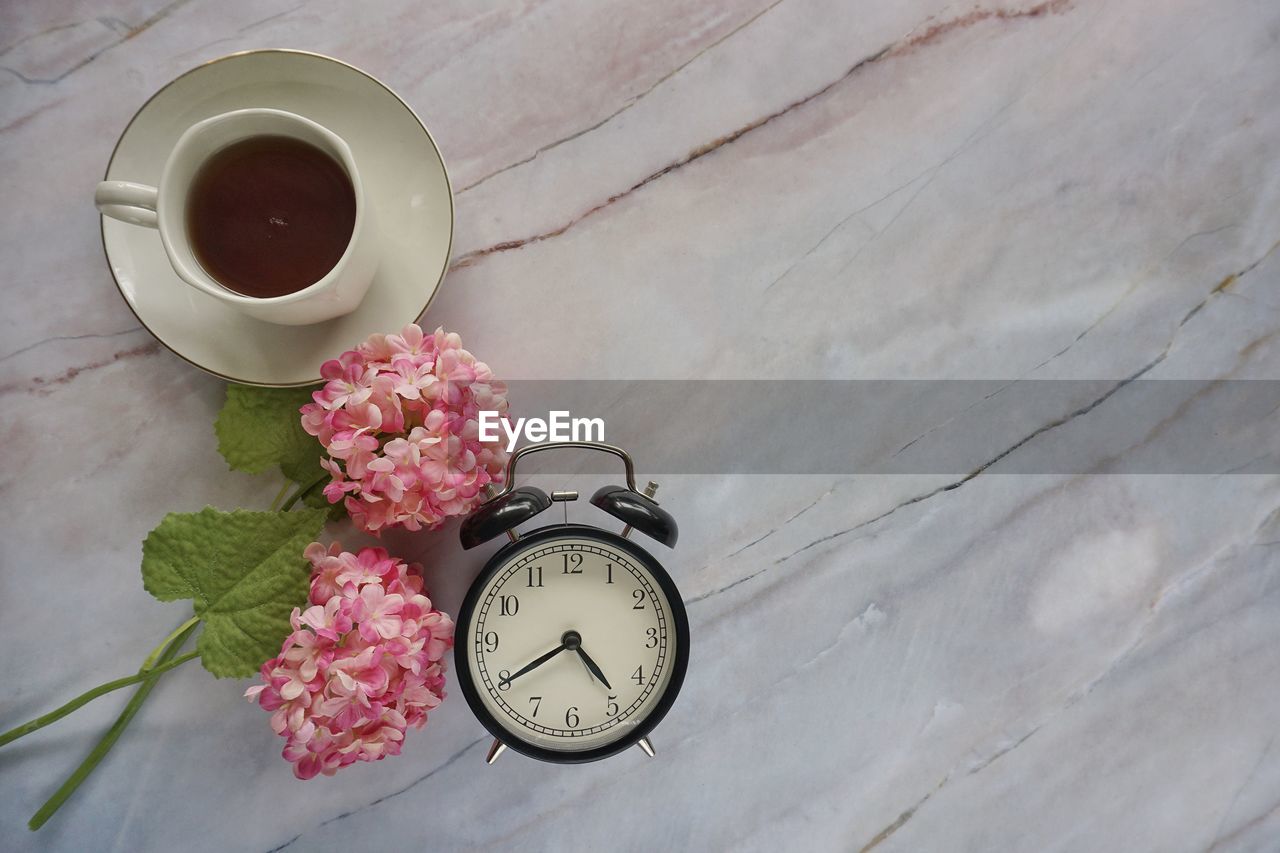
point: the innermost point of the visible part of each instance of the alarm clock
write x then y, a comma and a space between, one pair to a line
572, 643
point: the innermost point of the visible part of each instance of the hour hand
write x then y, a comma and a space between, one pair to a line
591, 665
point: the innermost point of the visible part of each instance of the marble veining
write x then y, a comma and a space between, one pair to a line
729, 189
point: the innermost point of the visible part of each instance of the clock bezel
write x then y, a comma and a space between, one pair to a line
680, 661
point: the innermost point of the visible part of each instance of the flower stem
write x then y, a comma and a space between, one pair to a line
88, 696
158, 650
302, 490
100, 751
284, 490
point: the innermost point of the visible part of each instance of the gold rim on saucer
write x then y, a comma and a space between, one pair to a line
285, 50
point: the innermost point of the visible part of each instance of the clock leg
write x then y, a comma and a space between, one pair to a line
647, 746
498, 748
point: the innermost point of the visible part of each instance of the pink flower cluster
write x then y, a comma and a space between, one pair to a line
363, 663
399, 417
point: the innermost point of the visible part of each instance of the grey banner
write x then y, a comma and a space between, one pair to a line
951, 427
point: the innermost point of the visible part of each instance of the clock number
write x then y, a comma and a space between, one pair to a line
491, 641
610, 577
638, 595
612, 710
536, 701
504, 679
576, 561
637, 676
652, 642
510, 604
531, 576
571, 717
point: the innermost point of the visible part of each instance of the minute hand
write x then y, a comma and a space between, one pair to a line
591, 665
534, 665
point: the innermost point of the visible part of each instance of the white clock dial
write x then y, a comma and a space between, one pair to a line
545, 617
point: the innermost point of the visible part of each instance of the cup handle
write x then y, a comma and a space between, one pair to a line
128, 202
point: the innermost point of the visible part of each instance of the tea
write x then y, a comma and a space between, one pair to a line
270, 215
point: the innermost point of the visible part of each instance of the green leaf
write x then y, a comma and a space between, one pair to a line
260, 427
243, 571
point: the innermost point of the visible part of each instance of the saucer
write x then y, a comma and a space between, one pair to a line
404, 178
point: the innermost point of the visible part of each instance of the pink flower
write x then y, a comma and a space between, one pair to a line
399, 419
346, 383
377, 612
413, 379
364, 662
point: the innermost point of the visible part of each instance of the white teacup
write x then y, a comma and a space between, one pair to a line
164, 208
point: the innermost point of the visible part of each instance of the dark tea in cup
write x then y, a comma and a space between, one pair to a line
270, 215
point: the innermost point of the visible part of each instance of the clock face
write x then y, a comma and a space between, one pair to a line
571, 643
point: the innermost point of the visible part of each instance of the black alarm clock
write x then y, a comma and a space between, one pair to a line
572, 643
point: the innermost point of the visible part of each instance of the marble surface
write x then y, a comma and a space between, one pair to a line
785, 189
